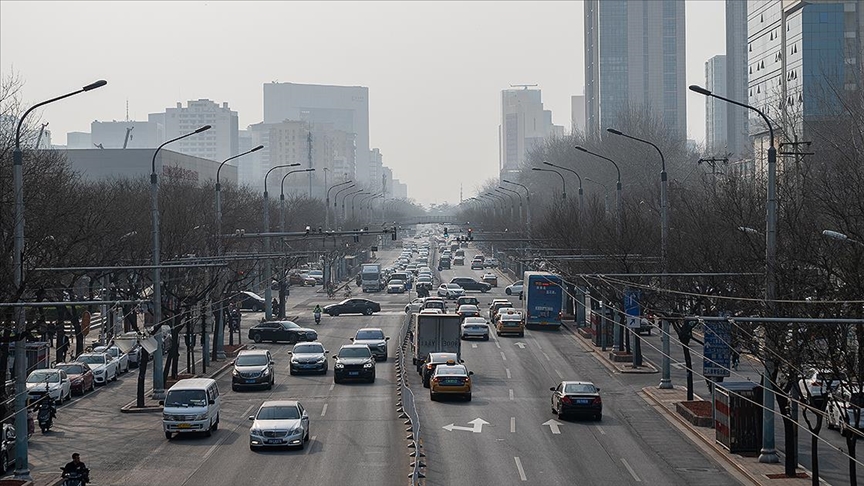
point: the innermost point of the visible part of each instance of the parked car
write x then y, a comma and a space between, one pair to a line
80, 377
577, 398
7, 447
301, 279
353, 306
514, 288
54, 382
308, 357
490, 278
279, 423
354, 362
468, 283
475, 327
318, 275
104, 367
450, 291
247, 300
253, 368
375, 339
275, 331
844, 405
114, 352
817, 383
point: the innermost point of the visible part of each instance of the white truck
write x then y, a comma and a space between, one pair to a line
435, 333
370, 277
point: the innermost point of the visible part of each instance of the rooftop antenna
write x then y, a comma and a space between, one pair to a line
523, 86
127, 109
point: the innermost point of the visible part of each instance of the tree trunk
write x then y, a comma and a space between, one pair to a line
143, 360
851, 442
789, 435
688, 362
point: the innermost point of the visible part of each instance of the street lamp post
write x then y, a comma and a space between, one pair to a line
517, 195
340, 215
268, 271
527, 202
353, 198
22, 468
581, 192
563, 184
219, 349
344, 202
498, 198
666, 379
512, 201
617, 188
327, 203
768, 454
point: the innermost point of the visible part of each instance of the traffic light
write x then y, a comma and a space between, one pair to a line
470, 235
393, 235
445, 233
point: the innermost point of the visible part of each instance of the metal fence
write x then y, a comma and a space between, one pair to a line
407, 408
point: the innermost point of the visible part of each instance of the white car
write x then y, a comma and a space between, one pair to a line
279, 423
843, 405
450, 291
113, 351
415, 305
475, 327
514, 288
55, 382
431, 311
104, 366
817, 384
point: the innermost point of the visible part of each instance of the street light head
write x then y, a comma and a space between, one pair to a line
256, 149
548, 163
536, 168
835, 235
613, 131
309, 170
699, 89
581, 149
97, 84
747, 230
203, 129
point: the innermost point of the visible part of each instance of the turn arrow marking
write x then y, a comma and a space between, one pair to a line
477, 426
553, 425
521, 345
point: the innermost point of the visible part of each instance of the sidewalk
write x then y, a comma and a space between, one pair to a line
604, 357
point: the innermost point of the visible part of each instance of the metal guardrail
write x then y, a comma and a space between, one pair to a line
407, 408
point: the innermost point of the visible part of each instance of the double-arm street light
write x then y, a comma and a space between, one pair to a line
363, 199
768, 454
527, 201
563, 184
158, 382
578, 177
666, 377
327, 202
220, 324
512, 200
617, 187
268, 271
22, 468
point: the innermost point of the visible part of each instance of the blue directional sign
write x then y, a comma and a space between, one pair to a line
632, 309
717, 350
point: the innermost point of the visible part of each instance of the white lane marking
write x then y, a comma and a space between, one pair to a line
538, 345
547, 357
498, 344
508, 373
512, 425
521, 471
632, 472
309, 447
332, 385
324, 410
503, 357
474, 345
511, 394
559, 374
600, 429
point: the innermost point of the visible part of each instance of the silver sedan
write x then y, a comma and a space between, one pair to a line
279, 423
475, 327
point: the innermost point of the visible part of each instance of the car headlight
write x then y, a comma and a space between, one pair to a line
254, 431
294, 361
265, 372
295, 430
235, 372
321, 359
201, 416
98, 372
166, 416
368, 365
339, 366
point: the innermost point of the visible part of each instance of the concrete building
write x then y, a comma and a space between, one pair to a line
715, 110
376, 168
113, 134
346, 108
737, 133
524, 125
634, 57
400, 190
577, 114
78, 140
111, 164
218, 143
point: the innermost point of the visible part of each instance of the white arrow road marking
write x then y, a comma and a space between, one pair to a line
477, 426
521, 471
521, 345
632, 472
498, 344
512, 425
474, 345
553, 425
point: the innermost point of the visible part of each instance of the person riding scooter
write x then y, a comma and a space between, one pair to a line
46, 414
317, 313
76, 472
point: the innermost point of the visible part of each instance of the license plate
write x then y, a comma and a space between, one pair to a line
250, 381
451, 382
184, 426
273, 441
308, 366
583, 401
353, 373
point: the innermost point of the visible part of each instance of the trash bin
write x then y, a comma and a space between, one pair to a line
738, 416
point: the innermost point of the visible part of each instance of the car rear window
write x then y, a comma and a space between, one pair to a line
579, 388
364, 335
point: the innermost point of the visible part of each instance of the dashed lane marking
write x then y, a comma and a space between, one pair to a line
512, 425
511, 394
520, 469
559, 374
503, 357
632, 472
324, 410
508, 372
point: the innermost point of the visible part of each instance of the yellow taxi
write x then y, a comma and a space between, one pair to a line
509, 321
450, 379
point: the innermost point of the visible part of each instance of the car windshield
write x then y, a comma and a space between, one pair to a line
370, 334
579, 388
308, 349
280, 412
186, 398
397, 282
251, 360
355, 352
91, 359
44, 376
72, 369
453, 286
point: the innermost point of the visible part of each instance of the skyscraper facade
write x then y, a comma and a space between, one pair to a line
737, 134
524, 125
218, 143
715, 110
634, 57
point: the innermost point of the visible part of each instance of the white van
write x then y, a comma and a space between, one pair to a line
191, 405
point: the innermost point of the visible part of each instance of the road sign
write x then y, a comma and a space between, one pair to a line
476, 426
717, 351
553, 426
632, 308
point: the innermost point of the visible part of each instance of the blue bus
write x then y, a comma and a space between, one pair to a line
543, 299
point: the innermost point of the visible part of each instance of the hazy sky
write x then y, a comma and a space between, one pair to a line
434, 70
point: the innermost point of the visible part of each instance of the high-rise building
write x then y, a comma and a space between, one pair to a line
737, 134
715, 110
218, 143
127, 134
346, 108
577, 113
376, 166
524, 125
634, 57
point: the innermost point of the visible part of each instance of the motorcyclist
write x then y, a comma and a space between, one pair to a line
317, 313
77, 467
47, 403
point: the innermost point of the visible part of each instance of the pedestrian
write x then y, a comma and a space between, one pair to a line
274, 307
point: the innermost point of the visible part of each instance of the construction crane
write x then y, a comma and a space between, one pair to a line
523, 86
128, 136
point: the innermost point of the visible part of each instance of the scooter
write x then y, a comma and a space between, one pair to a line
317, 317
75, 478
45, 417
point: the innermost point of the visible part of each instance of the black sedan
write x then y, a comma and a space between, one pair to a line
577, 398
281, 331
249, 301
353, 306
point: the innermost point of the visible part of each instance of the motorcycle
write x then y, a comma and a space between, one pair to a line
75, 478
45, 416
317, 317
